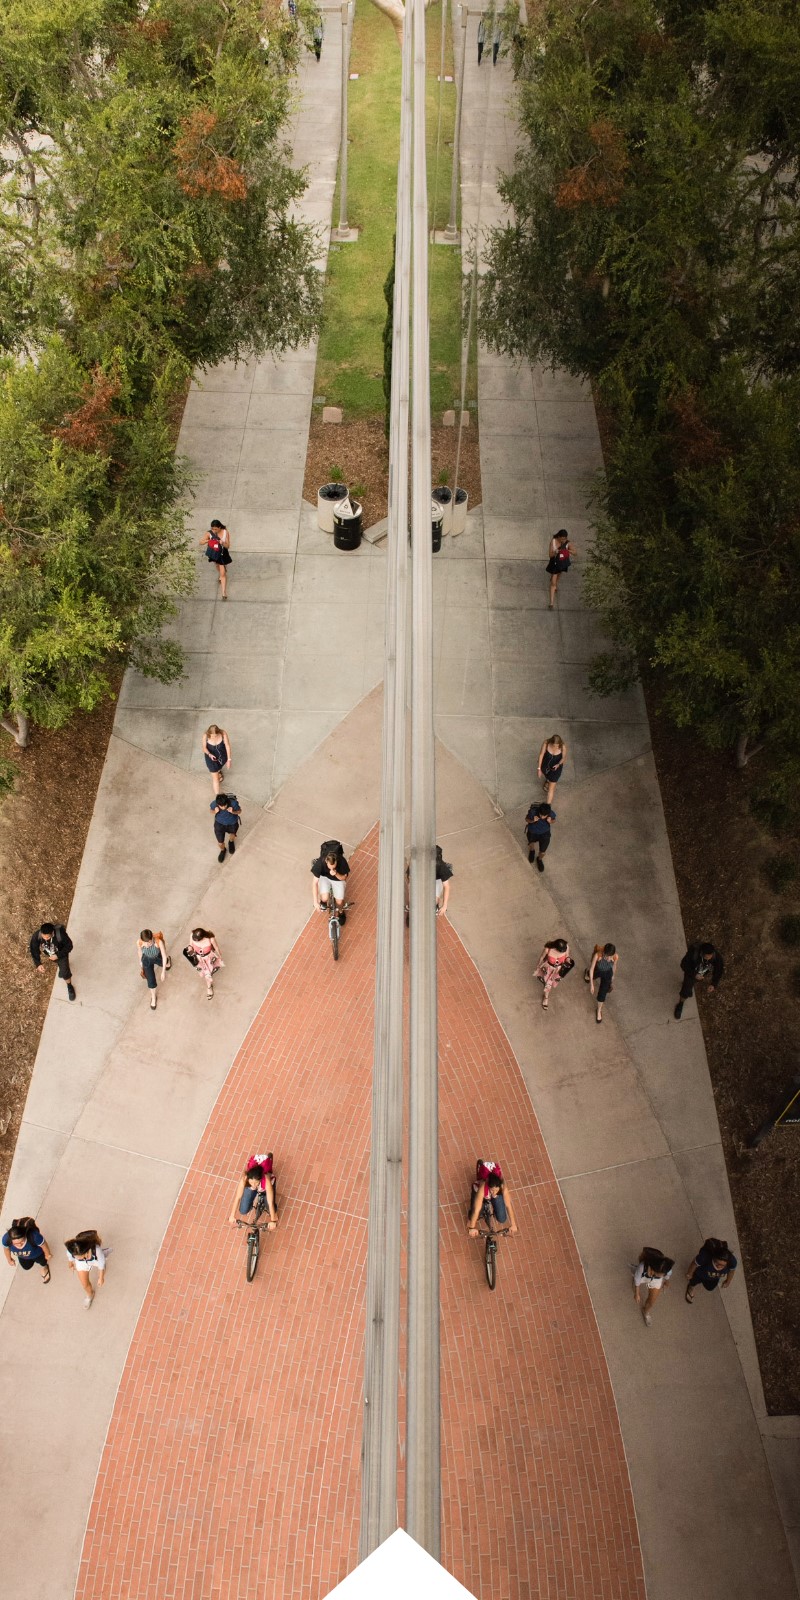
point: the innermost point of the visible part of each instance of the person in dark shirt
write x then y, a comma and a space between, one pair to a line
537, 831
444, 876
26, 1247
702, 963
713, 1262
329, 871
51, 942
227, 818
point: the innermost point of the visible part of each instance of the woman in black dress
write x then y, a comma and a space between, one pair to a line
217, 544
561, 553
216, 753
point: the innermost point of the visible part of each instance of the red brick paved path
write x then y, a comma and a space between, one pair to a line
231, 1467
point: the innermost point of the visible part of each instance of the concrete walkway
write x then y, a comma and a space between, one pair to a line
120, 1097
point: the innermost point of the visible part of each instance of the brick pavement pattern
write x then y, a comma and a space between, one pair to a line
231, 1467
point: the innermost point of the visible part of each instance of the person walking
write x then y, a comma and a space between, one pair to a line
702, 963
318, 36
217, 545
560, 553
497, 40
203, 953
152, 953
550, 765
86, 1255
651, 1274
444, 877
555, 962
602, 971
713, 1263
216, 754
51, 942
538, 823
481, 38
227, 820
25, 1247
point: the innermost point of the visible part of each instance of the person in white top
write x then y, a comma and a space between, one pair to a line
86, 1252
651, 1273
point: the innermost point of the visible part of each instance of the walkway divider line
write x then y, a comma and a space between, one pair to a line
380, 1444
423, 1430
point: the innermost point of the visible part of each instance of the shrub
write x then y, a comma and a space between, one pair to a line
788, 929
779, 872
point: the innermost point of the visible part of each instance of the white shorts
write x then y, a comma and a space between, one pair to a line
336, 884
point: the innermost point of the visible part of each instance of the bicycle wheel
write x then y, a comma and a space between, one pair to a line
491, 1263
253, 1247
334, 931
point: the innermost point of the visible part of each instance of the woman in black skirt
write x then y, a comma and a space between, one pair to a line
561, 553
217, 544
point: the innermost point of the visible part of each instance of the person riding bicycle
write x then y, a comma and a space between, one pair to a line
256, 1179
330, 871
490, 1185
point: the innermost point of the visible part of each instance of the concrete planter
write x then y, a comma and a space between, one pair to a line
444, 498
348, 517
327, 498
460, 505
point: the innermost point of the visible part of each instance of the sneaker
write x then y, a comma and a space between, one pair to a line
678, 1012
647, 1318
342, 918
539, 864
232, 846
70, 991
89, 1302
221, 856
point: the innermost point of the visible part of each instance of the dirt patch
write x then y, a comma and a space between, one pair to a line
751, 1026
360, 452
45, 823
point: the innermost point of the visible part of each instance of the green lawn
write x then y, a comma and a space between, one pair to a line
350, 359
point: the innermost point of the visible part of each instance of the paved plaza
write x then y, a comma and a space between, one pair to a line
201, 1435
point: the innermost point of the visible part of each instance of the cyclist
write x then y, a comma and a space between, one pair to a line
256, 1179
489, 1184
330, 871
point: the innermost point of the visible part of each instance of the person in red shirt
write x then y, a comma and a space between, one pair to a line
258, 1177
490, 1185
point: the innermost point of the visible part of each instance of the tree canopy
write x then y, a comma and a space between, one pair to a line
146, 227
655, 247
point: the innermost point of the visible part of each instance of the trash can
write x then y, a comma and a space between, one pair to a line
327, 497
437, 519
348, 516
444, 497
460, 501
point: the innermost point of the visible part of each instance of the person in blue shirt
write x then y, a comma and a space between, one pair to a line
713, 1263
26, 1247
227, 818
537, 831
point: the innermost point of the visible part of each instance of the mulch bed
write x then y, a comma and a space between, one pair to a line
360, 450
751, 1025
45, 823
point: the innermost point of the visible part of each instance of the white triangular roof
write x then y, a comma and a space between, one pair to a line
397, 1569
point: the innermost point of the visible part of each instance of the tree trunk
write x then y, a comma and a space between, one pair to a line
743, 755
17, 726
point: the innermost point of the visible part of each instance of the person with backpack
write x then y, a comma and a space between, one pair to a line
538, 823
51, 942
86, 1255
560, 553
651, 1274
217, 545
602, 968
258, 1177
714, 1263
329, 871
25, 1247
702, 963
227, 821
489, 1184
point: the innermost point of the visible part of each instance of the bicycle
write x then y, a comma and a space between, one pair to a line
254, 1226
334, 911
491, 1234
